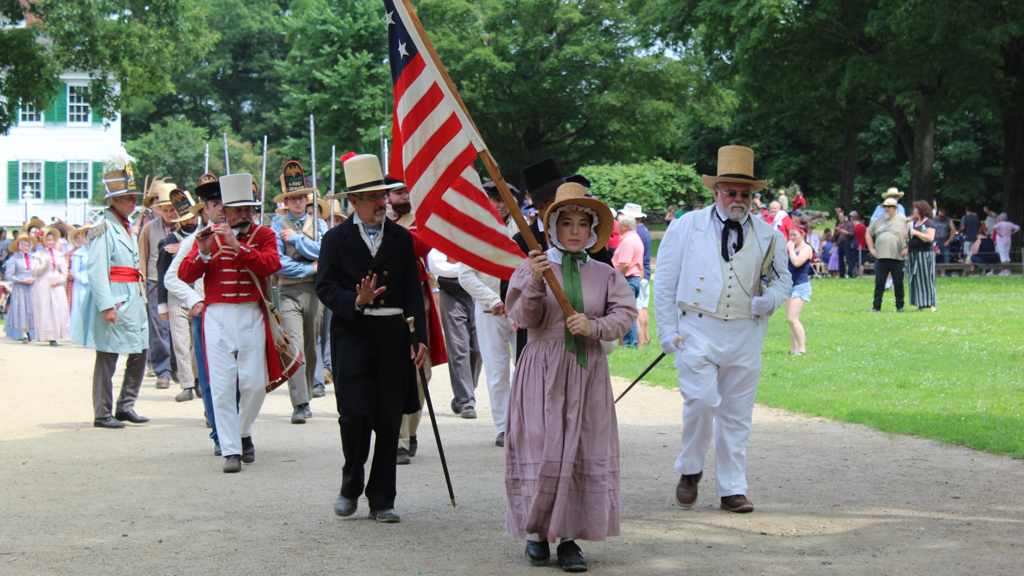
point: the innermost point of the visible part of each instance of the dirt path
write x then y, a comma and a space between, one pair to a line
831, 498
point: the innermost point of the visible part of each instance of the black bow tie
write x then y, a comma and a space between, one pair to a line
731, 225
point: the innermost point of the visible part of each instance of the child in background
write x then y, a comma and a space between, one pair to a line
829, 254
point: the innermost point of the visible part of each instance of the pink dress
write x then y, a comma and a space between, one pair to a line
562, 439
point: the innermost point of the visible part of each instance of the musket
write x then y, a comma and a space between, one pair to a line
649, 368
227, 164
263, 180
312, 155
206, 159
430, 408
334, 159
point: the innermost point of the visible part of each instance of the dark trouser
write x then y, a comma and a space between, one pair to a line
848, 259
103, 383
300, 318
464, 360
629, 340
943, 256
202, 375
370, 394
884, 267
159, 335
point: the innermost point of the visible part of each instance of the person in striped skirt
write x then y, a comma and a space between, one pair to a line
921, 257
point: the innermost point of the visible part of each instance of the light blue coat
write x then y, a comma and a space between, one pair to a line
110, 244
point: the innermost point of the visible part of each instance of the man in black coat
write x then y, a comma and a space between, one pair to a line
368, 278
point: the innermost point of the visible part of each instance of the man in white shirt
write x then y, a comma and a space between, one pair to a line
458, 319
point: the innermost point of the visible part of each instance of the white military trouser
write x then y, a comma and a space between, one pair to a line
181, 339
497, 339
719, 365
234, 336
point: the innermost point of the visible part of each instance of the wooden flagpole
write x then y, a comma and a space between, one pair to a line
493, 170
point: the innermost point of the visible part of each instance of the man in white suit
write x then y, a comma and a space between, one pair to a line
712, 307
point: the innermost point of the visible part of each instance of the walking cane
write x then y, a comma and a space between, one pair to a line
644, 373
430, 408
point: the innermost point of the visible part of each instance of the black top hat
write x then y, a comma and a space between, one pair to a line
492, 190
542, 179
579, 179
208, 191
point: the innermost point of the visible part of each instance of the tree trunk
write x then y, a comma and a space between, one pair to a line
848, 169
1013, 136
922, 164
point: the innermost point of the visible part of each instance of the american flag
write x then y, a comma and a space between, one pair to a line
435, 145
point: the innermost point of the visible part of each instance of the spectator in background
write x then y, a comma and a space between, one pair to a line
643, 298
5, 246
990, 219
613, 242
779, 219
880, 210
680, 210
887, 241
921, 257
943, 236
629, 260
983, 250
845, 241
827, 248
969, 226
699, 206
799, 265
812, 238
859, 232
755, 206
670, 213
799, 202
1002, 233
783, 200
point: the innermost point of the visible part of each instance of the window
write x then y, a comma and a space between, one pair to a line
32, 179
78, 181
29, 114
78, 109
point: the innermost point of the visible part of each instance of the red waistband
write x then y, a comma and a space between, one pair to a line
124, 274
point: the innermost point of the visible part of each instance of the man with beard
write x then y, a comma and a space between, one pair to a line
712, 309
232, 258
887, 241
149, 239
398, 198
208, 193
171, 308
369, 279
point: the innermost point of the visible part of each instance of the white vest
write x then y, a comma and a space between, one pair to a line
734, 301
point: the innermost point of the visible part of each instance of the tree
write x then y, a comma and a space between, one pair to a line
123, 44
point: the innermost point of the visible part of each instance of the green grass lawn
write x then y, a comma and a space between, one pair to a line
954, 376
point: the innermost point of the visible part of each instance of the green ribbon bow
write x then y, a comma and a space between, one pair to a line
574, 292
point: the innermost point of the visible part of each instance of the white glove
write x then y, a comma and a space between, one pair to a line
760, 305
671, 343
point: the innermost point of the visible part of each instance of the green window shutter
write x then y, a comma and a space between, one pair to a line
97, 180
13, 177
96, 118
50, 114
62, 105
49, 181
62, 180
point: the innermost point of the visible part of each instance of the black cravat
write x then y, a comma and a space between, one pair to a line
730, 225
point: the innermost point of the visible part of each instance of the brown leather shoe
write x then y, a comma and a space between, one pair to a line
737, 503
686, 490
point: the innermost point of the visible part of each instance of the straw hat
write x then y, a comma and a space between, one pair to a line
892, 193
236, 190
632, 210
35, 223
74, 233
890, 201
293, 182
183, 204
50, 230
23, 236
572, 193
363, 174
120, 182
323, 206
735, 164
159, 190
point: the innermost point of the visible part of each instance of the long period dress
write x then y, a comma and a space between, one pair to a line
50, 303
562, 440
20, 313
79, 269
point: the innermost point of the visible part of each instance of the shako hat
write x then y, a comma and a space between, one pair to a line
735, 164
208, 188
293, 182
573, 193
182, 202
237, 190
120, 182
542, 179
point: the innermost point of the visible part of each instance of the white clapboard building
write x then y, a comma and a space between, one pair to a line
55, 159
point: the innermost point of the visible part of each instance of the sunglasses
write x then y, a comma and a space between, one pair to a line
372, 197
733, 194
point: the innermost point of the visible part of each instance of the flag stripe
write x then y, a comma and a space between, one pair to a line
412, 72
451, 240
422, 110
430, 199
417, 164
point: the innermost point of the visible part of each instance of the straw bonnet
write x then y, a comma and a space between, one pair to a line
735, 164
892, 193
74, 233
542, 180
35, 223
293, 182
236, 190
50, 230
24, 236
160, 191
890, 201
183, 204
572, 193
323, 206
363, 174
633, 210
120, 182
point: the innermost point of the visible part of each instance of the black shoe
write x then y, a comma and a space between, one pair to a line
388, 516
107, 422
345, 507
455, 407
538, 552
570, 557
233, 464
299, 415
402, 456
216, 448
131, 416
414, 444
500, 440
53, 342
248, 451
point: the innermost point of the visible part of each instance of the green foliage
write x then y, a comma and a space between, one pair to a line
952, 376
654, 184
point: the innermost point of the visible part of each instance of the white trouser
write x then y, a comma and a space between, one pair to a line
719, 366
181, 339
1004, 252
234, 336
497, 339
